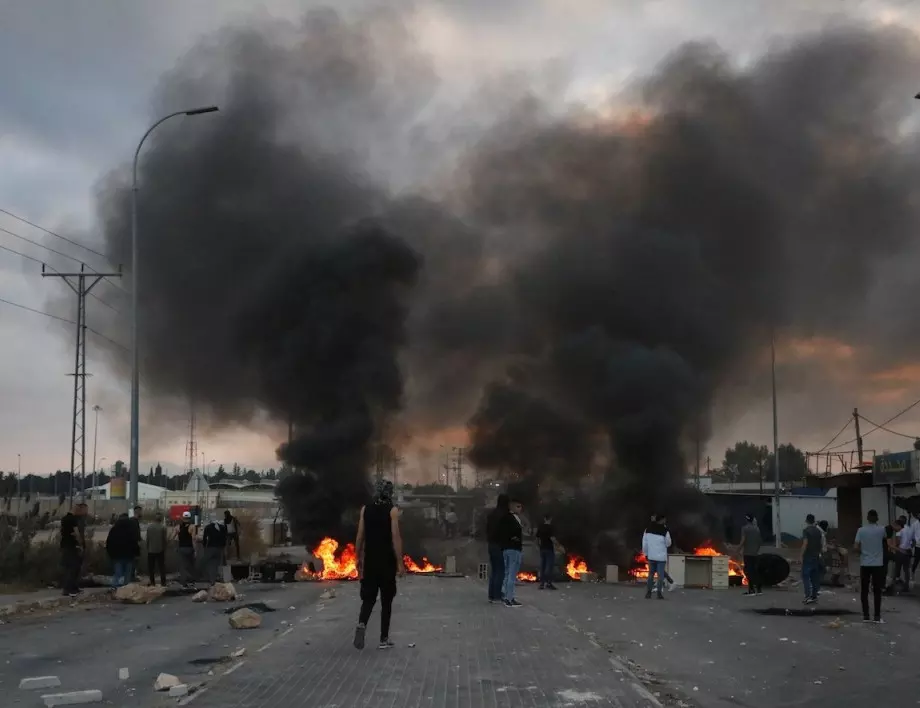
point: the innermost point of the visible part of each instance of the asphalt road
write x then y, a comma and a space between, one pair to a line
709, 648
86, 645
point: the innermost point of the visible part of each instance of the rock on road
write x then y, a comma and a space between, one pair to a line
87, 645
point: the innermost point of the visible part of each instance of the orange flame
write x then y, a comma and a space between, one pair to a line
425, 567
576, 567
527, 577
345, 567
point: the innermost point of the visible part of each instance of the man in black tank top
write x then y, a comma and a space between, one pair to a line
186, 545
379, 550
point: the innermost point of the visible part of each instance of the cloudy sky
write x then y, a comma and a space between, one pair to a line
77, 79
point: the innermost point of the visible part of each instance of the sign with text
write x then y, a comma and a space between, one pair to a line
894, 468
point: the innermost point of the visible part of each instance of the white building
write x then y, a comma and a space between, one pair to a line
145, 492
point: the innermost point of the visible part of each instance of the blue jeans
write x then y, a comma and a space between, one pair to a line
512, 561
811, 576
496, 571
547, 563
122, 571
655, 567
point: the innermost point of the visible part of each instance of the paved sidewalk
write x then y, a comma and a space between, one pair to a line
452, 649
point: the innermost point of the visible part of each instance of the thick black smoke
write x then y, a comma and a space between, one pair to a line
598, 283
737, 202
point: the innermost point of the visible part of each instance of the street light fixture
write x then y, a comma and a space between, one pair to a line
135, 368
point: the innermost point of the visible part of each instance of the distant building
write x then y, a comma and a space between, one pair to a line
145, 492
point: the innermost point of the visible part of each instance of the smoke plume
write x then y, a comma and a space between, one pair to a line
580, 287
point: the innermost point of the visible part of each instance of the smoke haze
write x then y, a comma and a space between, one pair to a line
580, 287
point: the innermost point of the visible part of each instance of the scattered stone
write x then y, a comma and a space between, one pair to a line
834, 624
164, 682
137, 594
200, 596
238, 653
37, 682
74, 698
178, 690
222, 592
124, 674
245, 619
412, 646
328, 595
302, 575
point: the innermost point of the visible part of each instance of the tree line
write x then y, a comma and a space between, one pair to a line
750, 462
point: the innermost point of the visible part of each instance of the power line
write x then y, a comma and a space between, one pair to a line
63, 238
888, 430
831, 442
62, 319
41, 262
880, 427
52, 233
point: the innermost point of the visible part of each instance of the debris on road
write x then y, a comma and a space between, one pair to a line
178, 691
37, 682
124, 674
328, 595
222, 592
165, 681
238, 653
834, 624
200, 596
74, 698
137, 594
259, 607
245, 618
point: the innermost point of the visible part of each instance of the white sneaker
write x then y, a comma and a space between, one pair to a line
672, 587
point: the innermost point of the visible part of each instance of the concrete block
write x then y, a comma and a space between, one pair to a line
613, 574
37, 682
483, 571
450, 566
124, 674
588, 577
178, 691
74, 698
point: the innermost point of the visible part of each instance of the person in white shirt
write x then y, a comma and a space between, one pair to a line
904, 535
915, 528
655, 544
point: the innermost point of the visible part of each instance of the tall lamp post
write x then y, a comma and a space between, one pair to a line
135, 368
777, 532
96, 410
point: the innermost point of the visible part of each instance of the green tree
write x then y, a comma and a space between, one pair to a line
793, 465
746, 462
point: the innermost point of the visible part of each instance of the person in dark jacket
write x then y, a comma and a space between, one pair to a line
511, 539
213, 542
123, 547
496, 561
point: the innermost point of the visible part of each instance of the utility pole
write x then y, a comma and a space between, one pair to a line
458, 468
859, 440
696, 471
18, 479
96, 410
777, 532
81, 283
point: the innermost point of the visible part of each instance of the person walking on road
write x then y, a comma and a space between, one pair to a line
122, 547
72, 545
655, 544
511, 538
156, 550
185, 539
380, 559
496, 560
904, 543
547, 552
870, 544
812, 547
213, 542
751, 541
233, 532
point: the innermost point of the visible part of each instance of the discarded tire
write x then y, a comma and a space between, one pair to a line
773, 569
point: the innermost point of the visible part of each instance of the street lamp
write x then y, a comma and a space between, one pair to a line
777, 532
135, 368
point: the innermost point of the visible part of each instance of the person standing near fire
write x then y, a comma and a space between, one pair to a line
511, 538
496, 559
185, 539
871, 544
379, 549
812, 548
751, 541
655, 544
547, 552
